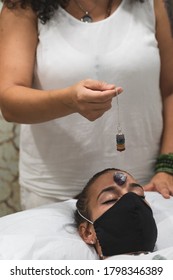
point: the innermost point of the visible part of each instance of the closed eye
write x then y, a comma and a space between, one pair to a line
138, 189
110, 201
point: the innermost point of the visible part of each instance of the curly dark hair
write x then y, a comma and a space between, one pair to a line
44, 8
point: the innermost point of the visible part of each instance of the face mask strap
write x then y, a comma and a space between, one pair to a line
84, 217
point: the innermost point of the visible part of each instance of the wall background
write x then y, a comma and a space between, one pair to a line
9, 155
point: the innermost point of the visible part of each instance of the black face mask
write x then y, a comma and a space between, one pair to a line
127, 227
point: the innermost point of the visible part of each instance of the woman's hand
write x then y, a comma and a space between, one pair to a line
92, 98
161, 182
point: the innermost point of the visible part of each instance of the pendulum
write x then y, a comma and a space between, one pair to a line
120, 138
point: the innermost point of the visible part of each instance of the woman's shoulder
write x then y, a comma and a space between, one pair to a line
163, 7
164, 15
18, 15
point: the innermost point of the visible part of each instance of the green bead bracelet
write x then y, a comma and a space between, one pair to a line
164, 163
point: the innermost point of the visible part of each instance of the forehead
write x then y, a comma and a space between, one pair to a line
103, 181
107, 179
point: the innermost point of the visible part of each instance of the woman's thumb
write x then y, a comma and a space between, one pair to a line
98, 85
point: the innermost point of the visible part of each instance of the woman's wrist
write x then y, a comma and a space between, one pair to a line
164, 163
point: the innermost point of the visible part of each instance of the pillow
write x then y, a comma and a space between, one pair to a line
164, 254
49, 232
163, 214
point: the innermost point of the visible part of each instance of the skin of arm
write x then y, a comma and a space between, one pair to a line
18, 101
163, 182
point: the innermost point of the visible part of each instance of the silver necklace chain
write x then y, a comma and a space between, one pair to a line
82, 8
87, 14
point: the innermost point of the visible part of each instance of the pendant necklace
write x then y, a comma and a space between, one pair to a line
120, 138
87, 14
87, 17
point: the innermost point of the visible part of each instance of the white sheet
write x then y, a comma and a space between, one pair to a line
49, 233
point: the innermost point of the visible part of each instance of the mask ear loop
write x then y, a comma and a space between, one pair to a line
101, 255
84, 217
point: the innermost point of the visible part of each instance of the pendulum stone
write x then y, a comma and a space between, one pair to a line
120, 178
120, 141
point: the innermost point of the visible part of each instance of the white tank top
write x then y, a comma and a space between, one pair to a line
58, 157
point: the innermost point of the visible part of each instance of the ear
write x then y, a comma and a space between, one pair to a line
87, 233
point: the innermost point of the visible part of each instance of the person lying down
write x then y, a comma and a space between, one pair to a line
113, 215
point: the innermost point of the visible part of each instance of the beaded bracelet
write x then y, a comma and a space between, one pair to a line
164, 163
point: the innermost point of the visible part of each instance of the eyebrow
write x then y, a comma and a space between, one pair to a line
135, 185
108, 189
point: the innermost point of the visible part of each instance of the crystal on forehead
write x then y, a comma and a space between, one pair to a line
120, 178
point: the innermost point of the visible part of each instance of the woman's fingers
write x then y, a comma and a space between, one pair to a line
162, 183
93, 98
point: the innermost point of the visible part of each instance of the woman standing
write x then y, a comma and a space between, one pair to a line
62, 66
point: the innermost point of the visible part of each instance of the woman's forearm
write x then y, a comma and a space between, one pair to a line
25, 105
167, 139
90, 98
